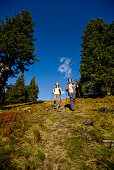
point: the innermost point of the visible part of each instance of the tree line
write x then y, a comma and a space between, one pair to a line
16, 47
97, 59
17, 54
21, 93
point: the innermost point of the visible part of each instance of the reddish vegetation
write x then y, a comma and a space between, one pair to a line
12, 124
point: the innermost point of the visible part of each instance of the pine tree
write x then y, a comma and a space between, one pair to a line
26, 93
20, 90
10, 95
33, 91
20, 93
16, 93
96, 58
16, 46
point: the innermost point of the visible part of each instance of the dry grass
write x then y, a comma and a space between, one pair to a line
58, 139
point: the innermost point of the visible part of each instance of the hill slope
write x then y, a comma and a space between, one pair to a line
36, 136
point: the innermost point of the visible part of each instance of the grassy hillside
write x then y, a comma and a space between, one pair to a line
35, 136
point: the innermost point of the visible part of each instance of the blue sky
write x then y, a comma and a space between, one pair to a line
59, 25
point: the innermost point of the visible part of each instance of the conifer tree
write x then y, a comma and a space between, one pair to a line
10, 94
97, 57
20, 90
32, 91
16, 93
16, 46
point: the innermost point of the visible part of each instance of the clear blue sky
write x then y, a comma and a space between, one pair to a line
59, 25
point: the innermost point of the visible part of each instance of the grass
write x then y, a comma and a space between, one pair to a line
35, 136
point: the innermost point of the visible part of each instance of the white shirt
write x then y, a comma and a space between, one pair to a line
70, 88
56, 90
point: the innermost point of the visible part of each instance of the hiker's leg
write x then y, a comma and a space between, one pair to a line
54, 99
70, 95
58, 101
71, 101
72, 104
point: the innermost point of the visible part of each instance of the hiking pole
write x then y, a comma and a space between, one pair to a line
60, 100
66, 97
52, 99
66, 101
78, 91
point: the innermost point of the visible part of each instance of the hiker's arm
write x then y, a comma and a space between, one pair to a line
67, 87
61, 90
74, 85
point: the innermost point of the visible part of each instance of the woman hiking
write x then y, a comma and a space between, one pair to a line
71, 89
57, 93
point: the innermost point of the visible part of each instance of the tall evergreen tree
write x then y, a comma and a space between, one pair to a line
20, 90
16, 46
10, 94
16, 93
97, 57
32, 91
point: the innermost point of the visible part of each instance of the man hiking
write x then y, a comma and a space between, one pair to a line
57, 93
71, 89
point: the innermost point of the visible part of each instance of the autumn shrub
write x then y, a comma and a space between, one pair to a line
12, 124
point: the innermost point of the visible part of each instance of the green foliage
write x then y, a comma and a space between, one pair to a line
41, 155
16, 45
5, 157
20, 90
97, 58
20, 93
32, 91
10, 94
77, 81
16, 93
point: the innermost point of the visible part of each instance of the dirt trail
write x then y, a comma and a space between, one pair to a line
57, 123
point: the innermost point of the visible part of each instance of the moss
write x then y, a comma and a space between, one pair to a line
5, 157
41, 155
60, 139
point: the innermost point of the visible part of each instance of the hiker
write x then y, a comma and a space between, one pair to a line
77, 91
71, 89
57, 93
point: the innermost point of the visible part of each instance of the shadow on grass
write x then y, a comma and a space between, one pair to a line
3, 107
68, 106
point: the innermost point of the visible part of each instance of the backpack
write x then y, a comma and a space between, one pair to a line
59, 90
74, 89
